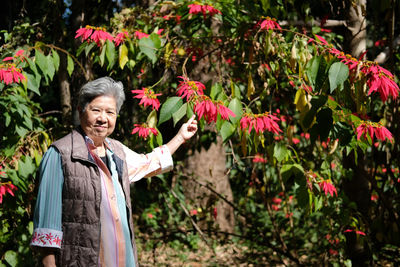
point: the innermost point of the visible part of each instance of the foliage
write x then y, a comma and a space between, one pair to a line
303, 121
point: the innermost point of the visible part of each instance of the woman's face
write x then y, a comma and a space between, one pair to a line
98, 120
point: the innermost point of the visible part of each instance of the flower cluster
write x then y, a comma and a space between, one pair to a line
6, 188
328, 187
269, 24
188, 88
147, 97
196, 9
139, 34
259, 158
95, 34
9, 74
121, 37
355, 231
378, 79
143, 130
260, 123
372, 128
19, 54
210, 109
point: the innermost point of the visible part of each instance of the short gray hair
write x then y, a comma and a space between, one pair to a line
104, 86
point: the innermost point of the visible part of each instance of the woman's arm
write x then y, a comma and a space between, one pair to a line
186, 132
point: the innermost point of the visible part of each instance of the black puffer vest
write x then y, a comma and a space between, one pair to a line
81, 200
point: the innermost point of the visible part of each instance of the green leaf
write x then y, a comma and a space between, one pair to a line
102, 55
316, 72
70, 65
33, 85
152, 119
216, 89
338, 74
168, 108
110, 54
227, 129
8, 119
123, 56
236, 106
288, 170
89, 47
178, 115
41, 61
159, 139
11, 258
26, 167
280, 152
81, 48
56, 59
148, 48
50, 66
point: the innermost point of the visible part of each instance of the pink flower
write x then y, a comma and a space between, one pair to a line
210, 109
120, 38
269, 24
148, 97
322, 40
356, 231
260, 123
374, 197
259, 158
9, 74
187, 88
141, 35
6, 188
204, 9
150, 216
370, 128
96, 34
193, 212
277, 200
295, 140
382, 81
328, 187
143, 130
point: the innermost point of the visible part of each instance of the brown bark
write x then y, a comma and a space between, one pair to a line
357, 27
65, 93
207, 166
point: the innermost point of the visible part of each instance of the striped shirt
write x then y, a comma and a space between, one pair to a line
115, 245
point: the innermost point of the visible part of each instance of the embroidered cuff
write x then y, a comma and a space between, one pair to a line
165, 157
43, 237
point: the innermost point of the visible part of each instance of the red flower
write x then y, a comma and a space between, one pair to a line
6, 188
120, 38
150, 216
277, 200
187, 88
206, 107
143, 130
9, 74
371, 128
269, 24
141, 35
259, 158
275, 207
333, 252
356, 231
148, 97
96, 34
295, 140
382, 81
322, 40
196, 9
193, 212
328, 187
260, 123
215, 213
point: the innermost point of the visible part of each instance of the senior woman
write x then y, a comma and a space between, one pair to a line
83, 210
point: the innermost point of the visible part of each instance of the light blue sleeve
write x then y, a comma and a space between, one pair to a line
48, 210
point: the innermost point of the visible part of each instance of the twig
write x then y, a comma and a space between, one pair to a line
192, 221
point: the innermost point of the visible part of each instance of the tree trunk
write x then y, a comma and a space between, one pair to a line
357, 187
207, 167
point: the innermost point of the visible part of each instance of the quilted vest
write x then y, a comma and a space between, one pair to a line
81, 200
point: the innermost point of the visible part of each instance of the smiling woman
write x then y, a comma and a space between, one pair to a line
83, 211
